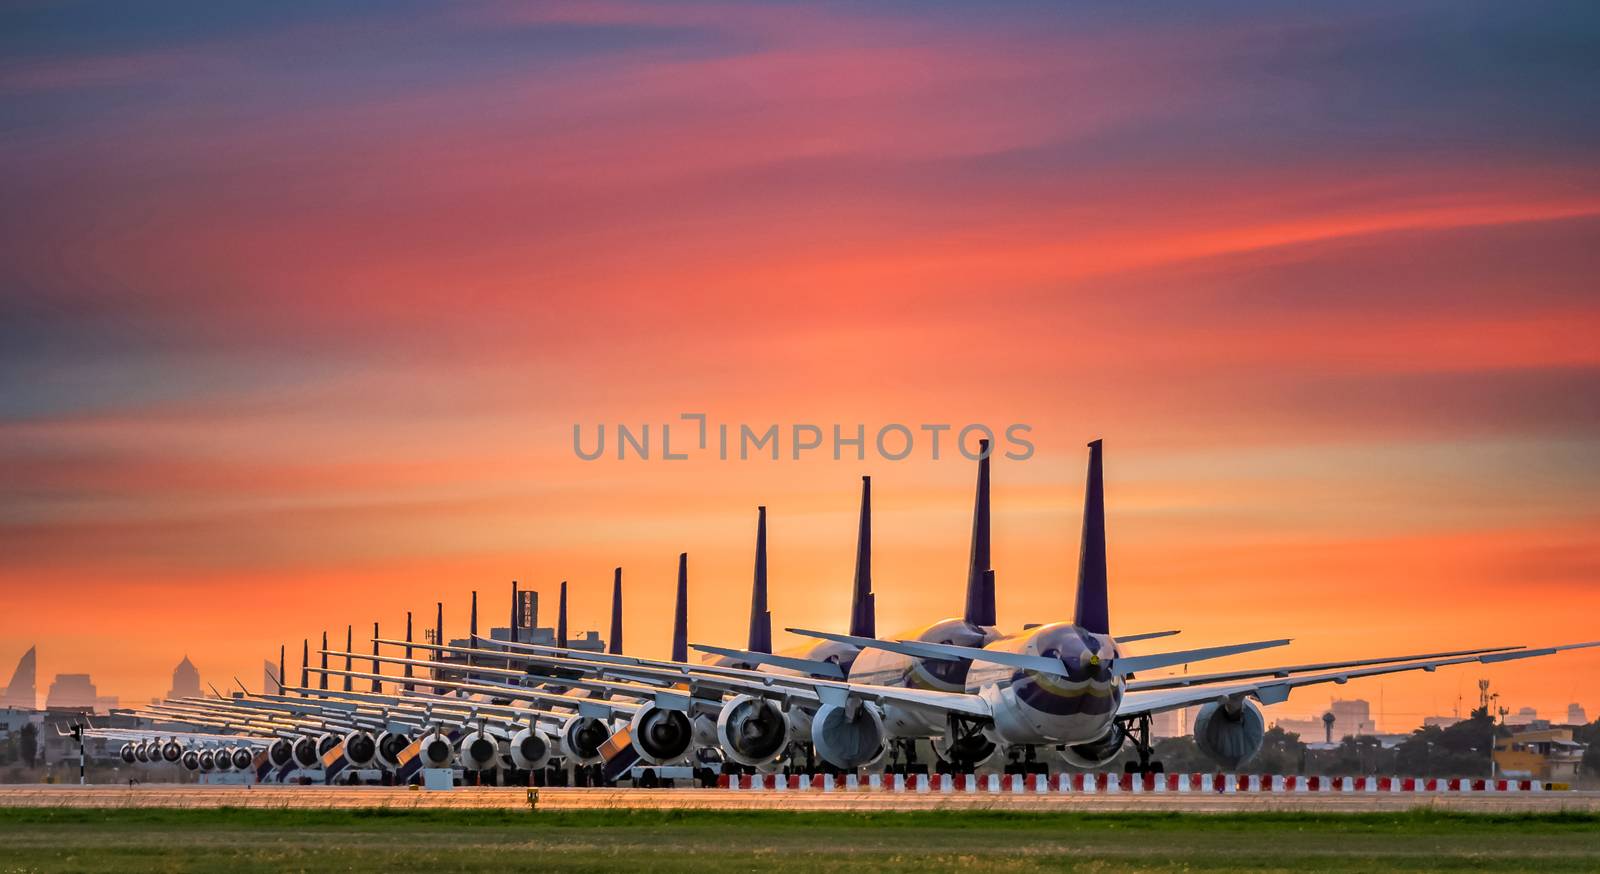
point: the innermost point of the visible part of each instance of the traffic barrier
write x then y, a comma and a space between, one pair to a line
1113, 784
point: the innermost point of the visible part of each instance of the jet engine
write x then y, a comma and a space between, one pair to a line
223, 759
305, 752
581, 738
661, 736
360, 748
1229, 734
127, 753
280, 753
390, 745
477, 750
530, 749
208, 760
242, 758
435, 751
191, 760
1095, 753
848, 740
326, 741
141, 752
752, 731
171, 751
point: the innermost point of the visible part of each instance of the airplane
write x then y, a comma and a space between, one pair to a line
1067, 685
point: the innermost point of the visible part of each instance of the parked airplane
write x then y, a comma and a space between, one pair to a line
1063, 684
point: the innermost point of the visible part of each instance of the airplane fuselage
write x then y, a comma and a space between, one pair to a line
1031, 707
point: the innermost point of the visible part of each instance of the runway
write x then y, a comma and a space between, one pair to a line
345, 797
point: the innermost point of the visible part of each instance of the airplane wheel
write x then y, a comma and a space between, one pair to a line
1130, 767
1157, 768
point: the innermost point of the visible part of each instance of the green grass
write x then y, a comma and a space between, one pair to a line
239, 840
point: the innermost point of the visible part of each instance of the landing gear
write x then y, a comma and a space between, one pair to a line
906, 747
1140, 738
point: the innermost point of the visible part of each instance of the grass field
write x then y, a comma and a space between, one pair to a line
693, 841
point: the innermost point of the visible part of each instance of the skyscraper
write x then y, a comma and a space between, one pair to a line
1351, 717
1576, 714
185, 680
23, 690
72, 692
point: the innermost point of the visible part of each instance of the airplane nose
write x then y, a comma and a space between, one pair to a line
1094, 660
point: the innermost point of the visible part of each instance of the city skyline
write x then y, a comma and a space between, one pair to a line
301, 307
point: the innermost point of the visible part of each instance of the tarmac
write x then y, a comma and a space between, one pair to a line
513, 798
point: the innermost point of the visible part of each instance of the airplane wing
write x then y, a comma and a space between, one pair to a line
784, 688
805, 666
1182, 680
1276, 689
585, 706
1040, 664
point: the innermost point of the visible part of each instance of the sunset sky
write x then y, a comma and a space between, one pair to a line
299, 306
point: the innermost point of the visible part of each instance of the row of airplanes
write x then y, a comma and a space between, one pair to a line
1055, 693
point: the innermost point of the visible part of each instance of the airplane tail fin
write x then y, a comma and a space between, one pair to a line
408, 672
760, 616
980, 600
1093, 612
305, 663
281, 649
615, 645
438, 639
324, 684
863, 612
516, 616
376, 685
561, 617
349, 646
680, 612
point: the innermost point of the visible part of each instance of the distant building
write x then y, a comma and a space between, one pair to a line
1544, 754
185, 680
1351, 717
1310, 730
1171, 723
1440, 721
1523, 716
14, 718
73, 692
22, 691
1576, 715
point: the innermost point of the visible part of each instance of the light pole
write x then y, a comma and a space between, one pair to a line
77, 735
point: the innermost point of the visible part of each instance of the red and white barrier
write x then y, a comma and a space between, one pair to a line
1114, 784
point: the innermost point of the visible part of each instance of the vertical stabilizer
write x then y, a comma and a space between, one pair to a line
305, 663
680, 612
980, 600
1093, 613
349, 663
561, 618
760, 616
376, 685
863, 615
614, 645
438, 640
280, 668
408, 672
472, 633
324, 683
515, 613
